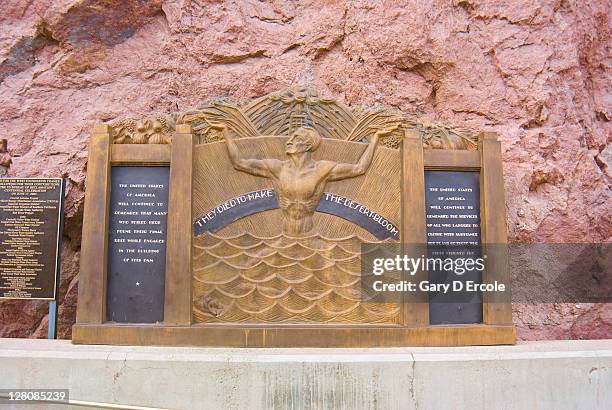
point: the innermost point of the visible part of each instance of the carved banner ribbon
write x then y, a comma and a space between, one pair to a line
264, 199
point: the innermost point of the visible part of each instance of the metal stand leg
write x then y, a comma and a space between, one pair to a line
52, 328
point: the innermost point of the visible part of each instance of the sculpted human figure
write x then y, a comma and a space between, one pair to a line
299, 181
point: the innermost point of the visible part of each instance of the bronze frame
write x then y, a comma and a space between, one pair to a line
178, 329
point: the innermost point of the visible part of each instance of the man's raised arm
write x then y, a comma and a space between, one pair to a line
342, 171
259, 167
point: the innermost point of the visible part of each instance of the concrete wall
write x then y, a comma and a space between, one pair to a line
532, 375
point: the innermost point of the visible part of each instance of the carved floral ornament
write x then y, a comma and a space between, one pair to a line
282, 112
156, 129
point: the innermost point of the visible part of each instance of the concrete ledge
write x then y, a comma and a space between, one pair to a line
542, 375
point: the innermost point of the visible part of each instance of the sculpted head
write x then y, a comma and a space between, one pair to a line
303, 140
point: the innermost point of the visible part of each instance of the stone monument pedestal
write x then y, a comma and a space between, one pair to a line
544, 374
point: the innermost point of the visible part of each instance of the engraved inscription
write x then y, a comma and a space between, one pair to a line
137, 244
452, 208
452, 215
30, 215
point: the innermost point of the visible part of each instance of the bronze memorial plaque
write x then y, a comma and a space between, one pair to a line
298, 260
30, 229
274, 208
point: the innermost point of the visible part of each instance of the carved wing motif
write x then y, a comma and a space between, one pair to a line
439, 136
219, 112
233, 117
370, 121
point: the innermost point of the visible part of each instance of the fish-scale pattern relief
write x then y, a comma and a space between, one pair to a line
283, 279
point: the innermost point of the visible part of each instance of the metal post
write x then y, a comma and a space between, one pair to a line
52, 327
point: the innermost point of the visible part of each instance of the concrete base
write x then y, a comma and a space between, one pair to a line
534, 375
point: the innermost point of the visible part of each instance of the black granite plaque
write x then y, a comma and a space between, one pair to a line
137, 244
452, 207
30, 237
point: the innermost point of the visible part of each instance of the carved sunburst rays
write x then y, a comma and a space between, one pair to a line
275, 114
281, 112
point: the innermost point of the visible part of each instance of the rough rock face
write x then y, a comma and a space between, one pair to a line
537, 72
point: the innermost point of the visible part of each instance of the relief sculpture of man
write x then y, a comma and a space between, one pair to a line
299, 181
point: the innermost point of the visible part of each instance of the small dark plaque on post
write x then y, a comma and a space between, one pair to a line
30, 233
137, 244
452, 207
